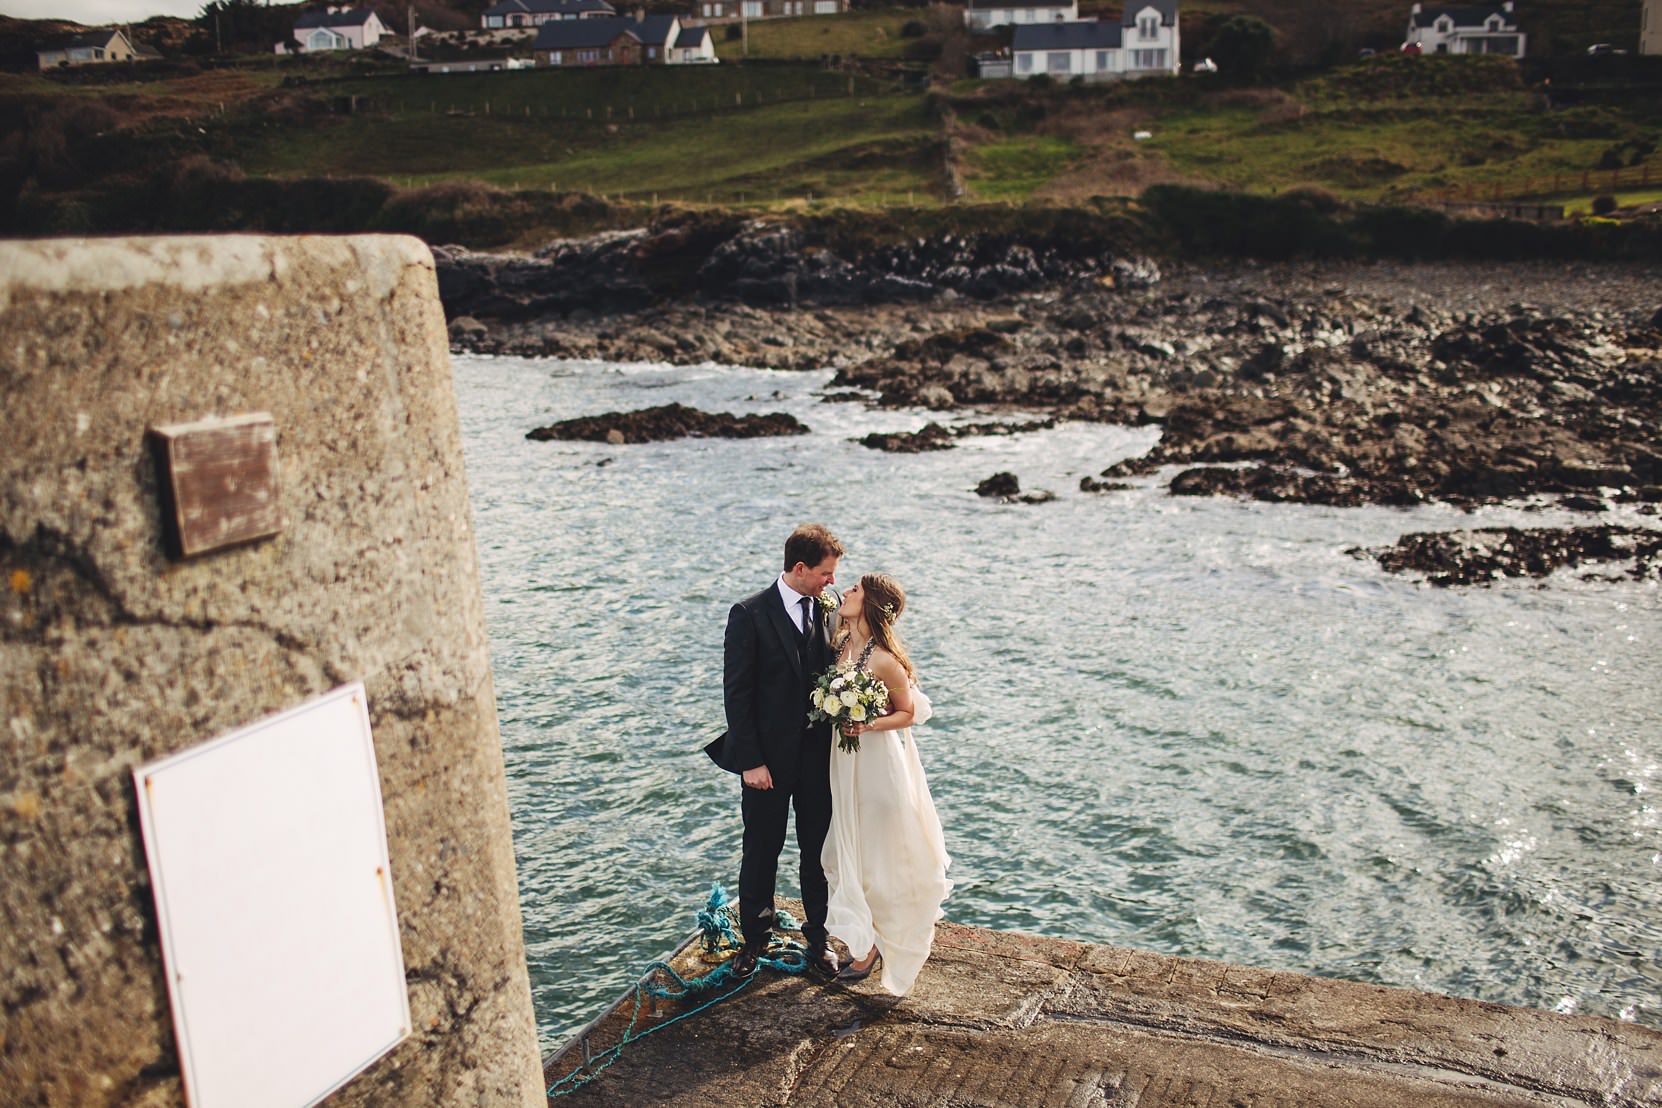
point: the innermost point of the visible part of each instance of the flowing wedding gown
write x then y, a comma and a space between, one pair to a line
885, 858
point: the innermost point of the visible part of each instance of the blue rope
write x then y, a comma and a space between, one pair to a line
718, 933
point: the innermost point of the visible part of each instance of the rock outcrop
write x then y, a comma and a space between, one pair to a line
669, 421
1483, 555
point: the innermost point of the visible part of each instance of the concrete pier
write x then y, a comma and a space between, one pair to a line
1005, 1019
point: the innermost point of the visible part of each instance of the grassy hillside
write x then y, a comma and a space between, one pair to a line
76, 148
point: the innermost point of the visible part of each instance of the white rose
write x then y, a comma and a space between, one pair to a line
832, 707
816, 698
857, 713
849, 697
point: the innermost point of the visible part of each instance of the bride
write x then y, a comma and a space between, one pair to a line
885, 859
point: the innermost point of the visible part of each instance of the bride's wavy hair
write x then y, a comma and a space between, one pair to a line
882, 604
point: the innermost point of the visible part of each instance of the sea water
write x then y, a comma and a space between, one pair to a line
1195, 726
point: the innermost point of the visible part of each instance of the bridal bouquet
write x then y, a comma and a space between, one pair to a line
847, 696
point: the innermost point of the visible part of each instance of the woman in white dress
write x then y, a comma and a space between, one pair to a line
885, 858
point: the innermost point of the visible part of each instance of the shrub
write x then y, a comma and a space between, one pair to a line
1604, 205
913, 28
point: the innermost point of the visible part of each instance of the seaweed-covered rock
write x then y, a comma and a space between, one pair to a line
670, 421
1486, 554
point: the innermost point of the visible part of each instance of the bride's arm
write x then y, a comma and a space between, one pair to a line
900, 713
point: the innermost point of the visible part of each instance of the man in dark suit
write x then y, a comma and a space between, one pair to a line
777, 643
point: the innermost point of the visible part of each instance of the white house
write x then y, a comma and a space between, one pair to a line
693, 46
726, 10
1150, 39
1089, 49
534, 13
91, 48
981, 14
337, 28
1484, 29
658, 35
1144, 43
1650, 27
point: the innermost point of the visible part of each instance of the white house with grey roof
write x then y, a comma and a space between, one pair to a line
1144, 43
693, 46
337, 28
90, 48
1482, 29
982, 14
507, 14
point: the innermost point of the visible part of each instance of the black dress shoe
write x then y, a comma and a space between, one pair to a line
822, 960
852, 972
744, 962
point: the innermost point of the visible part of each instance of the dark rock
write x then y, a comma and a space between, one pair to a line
999, 484
671, 421
1487, 554
931, 437
1091, 484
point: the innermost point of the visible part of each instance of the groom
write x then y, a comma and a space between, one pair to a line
776, 644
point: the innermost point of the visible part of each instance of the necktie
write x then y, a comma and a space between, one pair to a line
807, 617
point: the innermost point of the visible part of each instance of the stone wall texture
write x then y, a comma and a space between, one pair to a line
112, 655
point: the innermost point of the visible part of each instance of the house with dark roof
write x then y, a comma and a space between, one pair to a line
1149, 38
657, 34
587, 42
694, 46
89, 48
982, 14
534, 13
337, 28
1481, 29
1143, 43
1087, 48
726, 11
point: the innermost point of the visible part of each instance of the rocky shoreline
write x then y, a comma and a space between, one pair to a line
1329, 383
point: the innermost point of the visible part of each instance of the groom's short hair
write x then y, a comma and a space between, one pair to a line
811, 544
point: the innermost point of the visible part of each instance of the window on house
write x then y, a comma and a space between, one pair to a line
1149, 59
1148, 26
1059, 61
1024, 63
825, 7
1504, 44
753, 9
1101, 60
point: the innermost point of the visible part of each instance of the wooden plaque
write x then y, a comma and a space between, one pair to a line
218, 480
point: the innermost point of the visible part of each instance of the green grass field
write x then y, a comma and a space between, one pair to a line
711, 134
874, 33
780, 133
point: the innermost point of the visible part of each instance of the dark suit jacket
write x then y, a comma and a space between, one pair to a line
765, 684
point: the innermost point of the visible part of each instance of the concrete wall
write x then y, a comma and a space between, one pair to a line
112, 655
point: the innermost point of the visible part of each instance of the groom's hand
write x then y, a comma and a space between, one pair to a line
758, 778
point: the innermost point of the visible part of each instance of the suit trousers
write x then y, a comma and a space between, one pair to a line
766, 813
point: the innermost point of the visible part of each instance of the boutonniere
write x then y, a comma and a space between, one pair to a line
829, 603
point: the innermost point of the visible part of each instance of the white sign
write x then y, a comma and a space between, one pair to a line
268, 854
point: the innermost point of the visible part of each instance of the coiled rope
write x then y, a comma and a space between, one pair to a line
718, 936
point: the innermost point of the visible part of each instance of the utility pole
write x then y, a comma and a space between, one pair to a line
744, 29
409, 11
